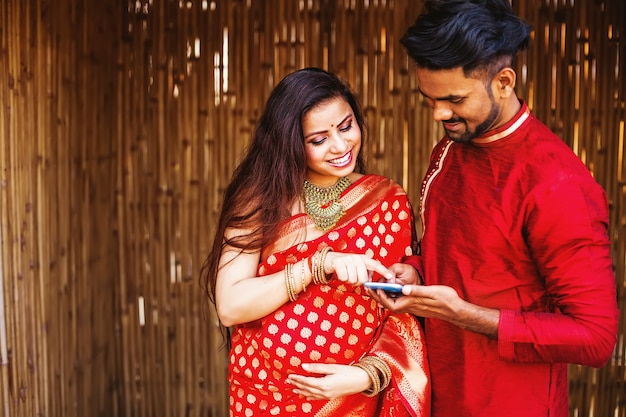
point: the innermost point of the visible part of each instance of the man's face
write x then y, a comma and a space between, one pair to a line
465, 106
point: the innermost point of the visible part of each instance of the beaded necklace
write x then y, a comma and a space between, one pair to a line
322, 203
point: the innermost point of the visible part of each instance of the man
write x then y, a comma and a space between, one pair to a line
515, 257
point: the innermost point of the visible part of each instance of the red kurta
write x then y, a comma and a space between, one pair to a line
334, 323
516, 224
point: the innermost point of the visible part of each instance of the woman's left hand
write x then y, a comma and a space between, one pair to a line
337, 381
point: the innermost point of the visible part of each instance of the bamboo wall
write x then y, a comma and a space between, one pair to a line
121, 122
59, 269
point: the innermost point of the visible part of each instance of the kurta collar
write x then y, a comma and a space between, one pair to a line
507, 129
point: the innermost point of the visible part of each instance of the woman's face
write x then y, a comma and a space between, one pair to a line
332, 141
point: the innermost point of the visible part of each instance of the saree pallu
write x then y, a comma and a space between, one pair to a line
335, 322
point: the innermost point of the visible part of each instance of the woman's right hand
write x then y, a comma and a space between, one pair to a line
354, 268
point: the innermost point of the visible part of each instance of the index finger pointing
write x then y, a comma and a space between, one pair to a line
374, 265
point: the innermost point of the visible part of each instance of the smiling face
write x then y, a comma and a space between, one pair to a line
332, 141
466, 106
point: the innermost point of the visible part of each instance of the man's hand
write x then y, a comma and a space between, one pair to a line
442, 302
404, 274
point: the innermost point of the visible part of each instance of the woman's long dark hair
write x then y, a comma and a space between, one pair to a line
271, 175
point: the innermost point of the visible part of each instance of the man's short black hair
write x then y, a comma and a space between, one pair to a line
471, 34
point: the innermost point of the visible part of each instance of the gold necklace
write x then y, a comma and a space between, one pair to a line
322, 203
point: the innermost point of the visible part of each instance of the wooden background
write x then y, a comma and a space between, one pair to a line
120, 124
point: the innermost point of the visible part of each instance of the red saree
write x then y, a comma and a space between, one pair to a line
334, 323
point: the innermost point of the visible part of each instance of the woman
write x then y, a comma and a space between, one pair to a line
301, 229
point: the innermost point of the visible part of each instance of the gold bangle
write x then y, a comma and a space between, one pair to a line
286, 271
383, 370
323, 279
315, 268
302, 278
292, 283
375, 388
289, 282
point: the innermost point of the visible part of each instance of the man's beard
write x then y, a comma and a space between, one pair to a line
469, 135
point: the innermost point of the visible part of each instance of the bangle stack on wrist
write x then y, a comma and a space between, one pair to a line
318, 275
378, 371
317, 266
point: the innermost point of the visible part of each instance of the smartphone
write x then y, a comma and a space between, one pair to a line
392, 290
